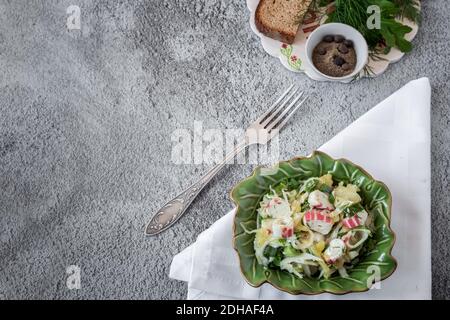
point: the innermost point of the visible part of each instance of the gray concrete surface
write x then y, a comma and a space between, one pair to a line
86, 118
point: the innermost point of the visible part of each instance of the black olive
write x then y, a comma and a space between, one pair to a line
342, 49
348, 43
339, 61
328, 38
338, 38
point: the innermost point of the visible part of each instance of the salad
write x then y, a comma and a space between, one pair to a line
313, 228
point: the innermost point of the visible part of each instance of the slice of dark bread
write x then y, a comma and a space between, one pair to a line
280, 19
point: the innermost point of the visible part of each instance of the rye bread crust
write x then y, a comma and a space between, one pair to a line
271, 33
280, 35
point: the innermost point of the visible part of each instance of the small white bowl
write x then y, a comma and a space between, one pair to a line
350, 33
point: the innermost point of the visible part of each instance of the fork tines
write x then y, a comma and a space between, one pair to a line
282, 110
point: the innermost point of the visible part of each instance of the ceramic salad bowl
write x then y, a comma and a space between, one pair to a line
377, 263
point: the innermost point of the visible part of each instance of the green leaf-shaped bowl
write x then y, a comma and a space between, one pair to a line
376, 264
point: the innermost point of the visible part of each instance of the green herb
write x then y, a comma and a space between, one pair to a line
270, 251
331, 198
305, 206
309, 185
374, 55
317, 5
408, 9
324, 188
293, 184
391, 33
279, 188
290, 251
353, 209
275, 253
287, 184
394, 34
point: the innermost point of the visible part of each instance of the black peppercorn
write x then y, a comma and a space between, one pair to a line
339, 61
343, 49
328, 38
338, 38
348, 43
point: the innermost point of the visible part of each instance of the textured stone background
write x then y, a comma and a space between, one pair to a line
86, 119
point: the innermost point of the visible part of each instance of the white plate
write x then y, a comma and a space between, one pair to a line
293, 57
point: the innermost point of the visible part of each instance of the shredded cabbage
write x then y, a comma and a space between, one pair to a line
304, 260
284, 220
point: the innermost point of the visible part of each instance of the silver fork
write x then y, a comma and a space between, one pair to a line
269, 124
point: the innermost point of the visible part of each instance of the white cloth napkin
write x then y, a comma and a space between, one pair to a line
392, 142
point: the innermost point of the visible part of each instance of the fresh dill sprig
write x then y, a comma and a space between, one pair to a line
409, 9
314, 6
368, 70
354, 13
391, 34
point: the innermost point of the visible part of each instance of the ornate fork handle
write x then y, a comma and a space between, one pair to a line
175, 208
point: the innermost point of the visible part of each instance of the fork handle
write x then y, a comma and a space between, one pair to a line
175, 208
